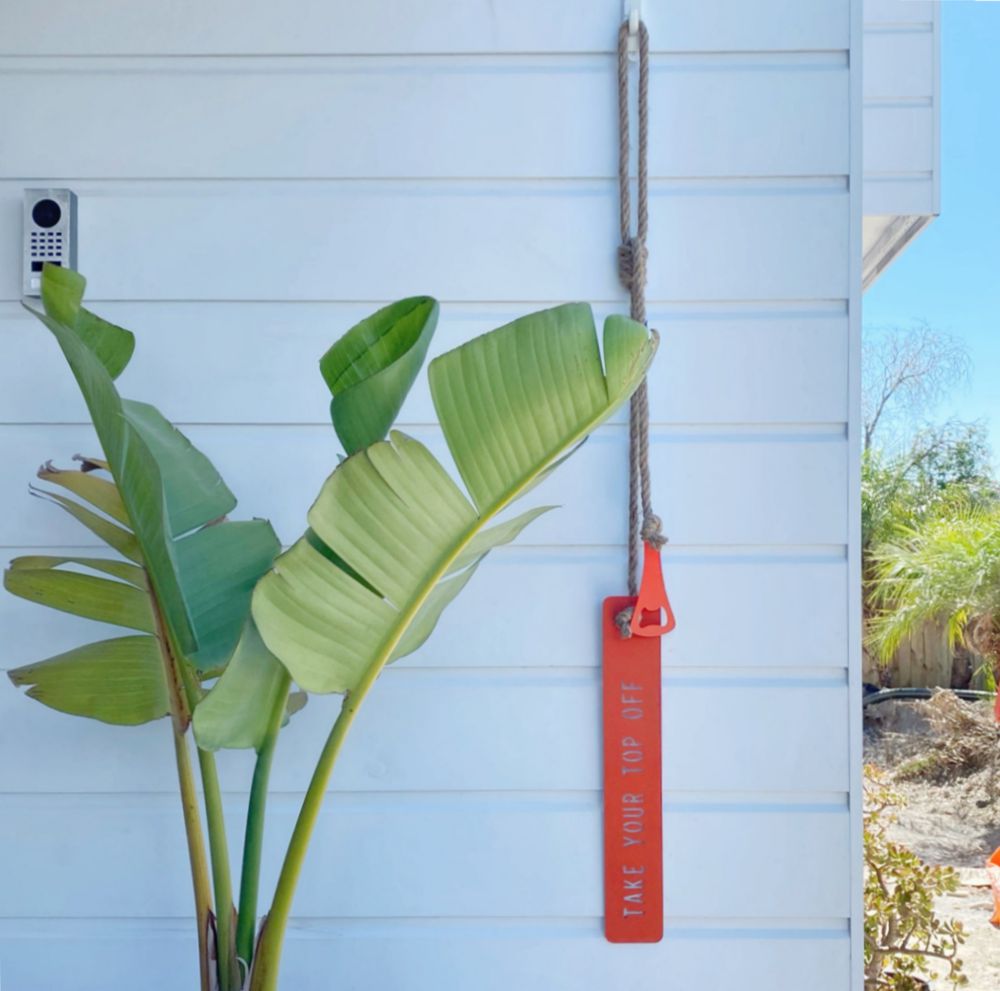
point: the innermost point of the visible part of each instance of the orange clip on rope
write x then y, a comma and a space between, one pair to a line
652, 599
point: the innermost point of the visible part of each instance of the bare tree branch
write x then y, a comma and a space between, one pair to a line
906, 370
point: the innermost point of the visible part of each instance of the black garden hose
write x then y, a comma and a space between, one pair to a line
874, 695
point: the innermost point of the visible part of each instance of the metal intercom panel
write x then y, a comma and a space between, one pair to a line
49, 234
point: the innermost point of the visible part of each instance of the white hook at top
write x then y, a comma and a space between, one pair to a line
633, 13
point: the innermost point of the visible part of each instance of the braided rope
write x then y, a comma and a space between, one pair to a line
643, 523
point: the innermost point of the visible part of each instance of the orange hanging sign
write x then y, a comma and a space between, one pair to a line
633, 791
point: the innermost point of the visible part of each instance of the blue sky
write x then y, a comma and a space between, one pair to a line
950, 275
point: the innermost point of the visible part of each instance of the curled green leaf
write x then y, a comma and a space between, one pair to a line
370, 370
62, 294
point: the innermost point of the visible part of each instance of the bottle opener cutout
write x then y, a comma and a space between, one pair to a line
652, 599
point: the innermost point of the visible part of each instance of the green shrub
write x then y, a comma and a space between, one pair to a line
904, 938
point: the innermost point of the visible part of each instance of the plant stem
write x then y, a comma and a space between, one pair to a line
180, 718
189, 692
229, 971
246, 929
264, 976
196, 853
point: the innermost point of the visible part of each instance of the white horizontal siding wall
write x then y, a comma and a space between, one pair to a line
251, 182
902, 115
902, 126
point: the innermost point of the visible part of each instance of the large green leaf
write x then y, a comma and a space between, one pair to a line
322, 624
238, 711
117, 681
509, 399
122, 570
193, 490
219, 566
163, 508
511, 403
167, 487
82, 595
135, 472
371, 368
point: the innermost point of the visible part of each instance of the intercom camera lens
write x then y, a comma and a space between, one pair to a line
46, 213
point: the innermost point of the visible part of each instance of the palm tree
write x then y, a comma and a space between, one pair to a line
945, 568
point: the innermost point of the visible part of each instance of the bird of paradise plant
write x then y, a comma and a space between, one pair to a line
223, 626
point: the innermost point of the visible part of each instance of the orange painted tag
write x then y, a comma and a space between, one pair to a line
633, 795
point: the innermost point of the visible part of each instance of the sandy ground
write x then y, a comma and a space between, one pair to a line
948, 821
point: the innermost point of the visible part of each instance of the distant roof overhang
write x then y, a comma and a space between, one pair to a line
901, 127
883, 238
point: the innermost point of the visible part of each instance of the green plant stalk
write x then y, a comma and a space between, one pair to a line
228, 968
180, 718
246, 929
264, 975
196, 854
229, 971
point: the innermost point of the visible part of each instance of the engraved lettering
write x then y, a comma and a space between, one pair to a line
632, 814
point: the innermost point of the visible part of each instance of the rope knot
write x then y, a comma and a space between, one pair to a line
632, 255
652, 531
624, 623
